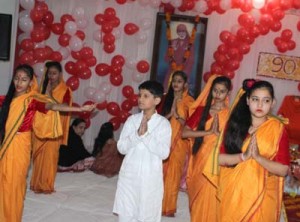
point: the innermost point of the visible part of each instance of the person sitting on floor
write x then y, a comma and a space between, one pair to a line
107, 158
74, 156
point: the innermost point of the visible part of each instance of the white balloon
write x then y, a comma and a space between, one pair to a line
256, 15
22, 36
24, 13
258, 4
39, 69
137, 77
82, 23
117, 33
145, 23
25, 24
176, 3
27, 4
70, 27
131, 63
235, 28
78, 13
225, 4
39, 44
97, 36
165, 1
141, 37
89, 92
65, 52
75, 43
105, 87
143, 2
99, 97
200, 7
155, 3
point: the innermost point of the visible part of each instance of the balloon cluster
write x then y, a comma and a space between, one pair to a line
285, 42
108, 21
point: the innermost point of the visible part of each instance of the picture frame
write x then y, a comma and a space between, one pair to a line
161, 67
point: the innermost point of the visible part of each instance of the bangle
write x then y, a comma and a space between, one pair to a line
241, 157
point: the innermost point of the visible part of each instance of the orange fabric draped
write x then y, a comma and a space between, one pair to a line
247, 192
202, 193
174, 165
15, 157
46, 151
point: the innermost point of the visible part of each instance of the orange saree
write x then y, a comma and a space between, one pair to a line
15, 156
202, 194
247, 192
174, 165
45, 151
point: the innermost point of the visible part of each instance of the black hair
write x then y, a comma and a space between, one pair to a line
77, 121
106, 132
240, 118
9, 97
50, 64
201, 126
154, 87
170, 94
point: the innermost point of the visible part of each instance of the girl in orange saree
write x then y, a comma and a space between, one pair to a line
175, 108
211, 109
46, 151
254, 158
24, 112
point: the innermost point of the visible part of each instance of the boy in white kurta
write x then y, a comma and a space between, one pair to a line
145, 141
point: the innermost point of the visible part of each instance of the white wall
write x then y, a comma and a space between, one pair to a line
6, 67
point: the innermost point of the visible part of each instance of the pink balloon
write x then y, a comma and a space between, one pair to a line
70, 27
75, 43
99, 97
89, 92
105, 87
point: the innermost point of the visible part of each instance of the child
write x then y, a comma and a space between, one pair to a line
45, 153
145, 141
175, 107
203, 126
24, 113
254, 158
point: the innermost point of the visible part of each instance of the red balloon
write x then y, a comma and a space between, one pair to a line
266, 20
126, 105
85, 115
85, 74
121, 2
41, 6
116, 69
277, 41
108, 38
286, 34
56, 56
224, 36
36, 15
116, 122
244, 48
99, 19
110, 12
102, 69
113, 108
246, 20
254, 31
91, 61
73, 83
278, 14
102, 106
86, 52
70, 67
298, 25
216, 68
39, 54
80, 34
27, 45
232, 65
222, 49
37, 35
115, 22
276, 26
76, 55
206, 76
109, 48
80, 65
88, 102
26, 58
291, 45
48, 18
127, 91
282, 47
87, 123
134, 100
299, 86
65, 18
116, 80
233, 53
220, 58
142, 66
229, 74
118, 60
106, 27
123, 115
131, 28
57, 28
64, 39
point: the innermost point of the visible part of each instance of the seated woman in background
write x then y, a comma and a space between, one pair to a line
107, 158
74, 156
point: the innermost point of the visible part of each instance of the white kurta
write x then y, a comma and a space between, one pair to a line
140, 186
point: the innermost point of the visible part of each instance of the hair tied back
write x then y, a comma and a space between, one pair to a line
248, 84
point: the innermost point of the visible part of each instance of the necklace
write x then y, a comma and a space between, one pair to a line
187, 53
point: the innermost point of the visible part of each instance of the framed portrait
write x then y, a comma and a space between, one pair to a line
179, 44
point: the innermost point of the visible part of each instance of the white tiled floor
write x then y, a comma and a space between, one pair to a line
83, 197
